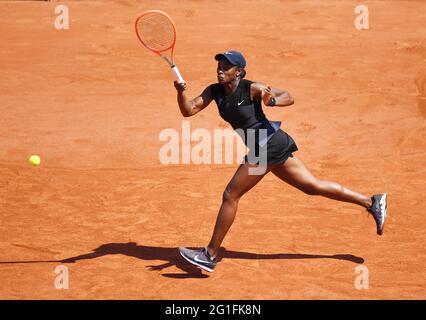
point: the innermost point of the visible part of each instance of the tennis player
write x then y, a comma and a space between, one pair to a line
240, 104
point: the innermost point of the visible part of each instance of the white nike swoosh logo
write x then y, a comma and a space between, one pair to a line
198, 260
240, 102
202, 264
383, 207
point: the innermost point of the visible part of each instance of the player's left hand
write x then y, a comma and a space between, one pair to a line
267, 95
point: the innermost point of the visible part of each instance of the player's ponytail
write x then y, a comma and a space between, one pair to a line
242, 74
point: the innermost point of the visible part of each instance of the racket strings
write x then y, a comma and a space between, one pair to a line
156, 31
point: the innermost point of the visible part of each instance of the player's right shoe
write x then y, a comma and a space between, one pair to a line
200, 258
378, 210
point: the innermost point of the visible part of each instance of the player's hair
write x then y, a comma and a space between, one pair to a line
243, 73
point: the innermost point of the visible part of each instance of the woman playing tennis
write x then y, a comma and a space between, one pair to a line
240, 104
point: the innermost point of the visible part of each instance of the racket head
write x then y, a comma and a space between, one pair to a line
156, 30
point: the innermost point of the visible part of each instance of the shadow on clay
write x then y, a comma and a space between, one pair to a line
172, 257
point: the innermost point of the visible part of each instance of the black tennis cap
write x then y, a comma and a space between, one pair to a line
234, 57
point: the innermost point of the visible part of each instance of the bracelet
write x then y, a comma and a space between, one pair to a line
272, 102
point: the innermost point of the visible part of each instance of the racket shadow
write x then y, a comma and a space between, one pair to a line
171, 257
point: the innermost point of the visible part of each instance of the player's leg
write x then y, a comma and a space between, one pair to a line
240, 183
294, 172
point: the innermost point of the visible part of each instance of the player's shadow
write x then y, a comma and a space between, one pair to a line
172, 257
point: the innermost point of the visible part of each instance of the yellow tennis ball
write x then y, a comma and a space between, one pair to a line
35, 160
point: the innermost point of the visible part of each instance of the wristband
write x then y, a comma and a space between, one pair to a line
272, 102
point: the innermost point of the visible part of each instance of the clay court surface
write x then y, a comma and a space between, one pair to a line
91, 101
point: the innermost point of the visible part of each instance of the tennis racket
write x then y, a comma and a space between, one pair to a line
157, 32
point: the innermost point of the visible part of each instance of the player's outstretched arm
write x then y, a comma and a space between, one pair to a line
190, 107
271, 96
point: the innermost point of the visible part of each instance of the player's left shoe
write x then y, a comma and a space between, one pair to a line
378, 210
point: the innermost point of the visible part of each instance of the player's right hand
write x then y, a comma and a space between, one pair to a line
180, 87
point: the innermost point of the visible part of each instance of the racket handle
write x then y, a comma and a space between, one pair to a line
177, 74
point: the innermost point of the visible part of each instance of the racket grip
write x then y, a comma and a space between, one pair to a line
177, 74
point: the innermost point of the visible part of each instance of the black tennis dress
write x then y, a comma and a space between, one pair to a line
246, 117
